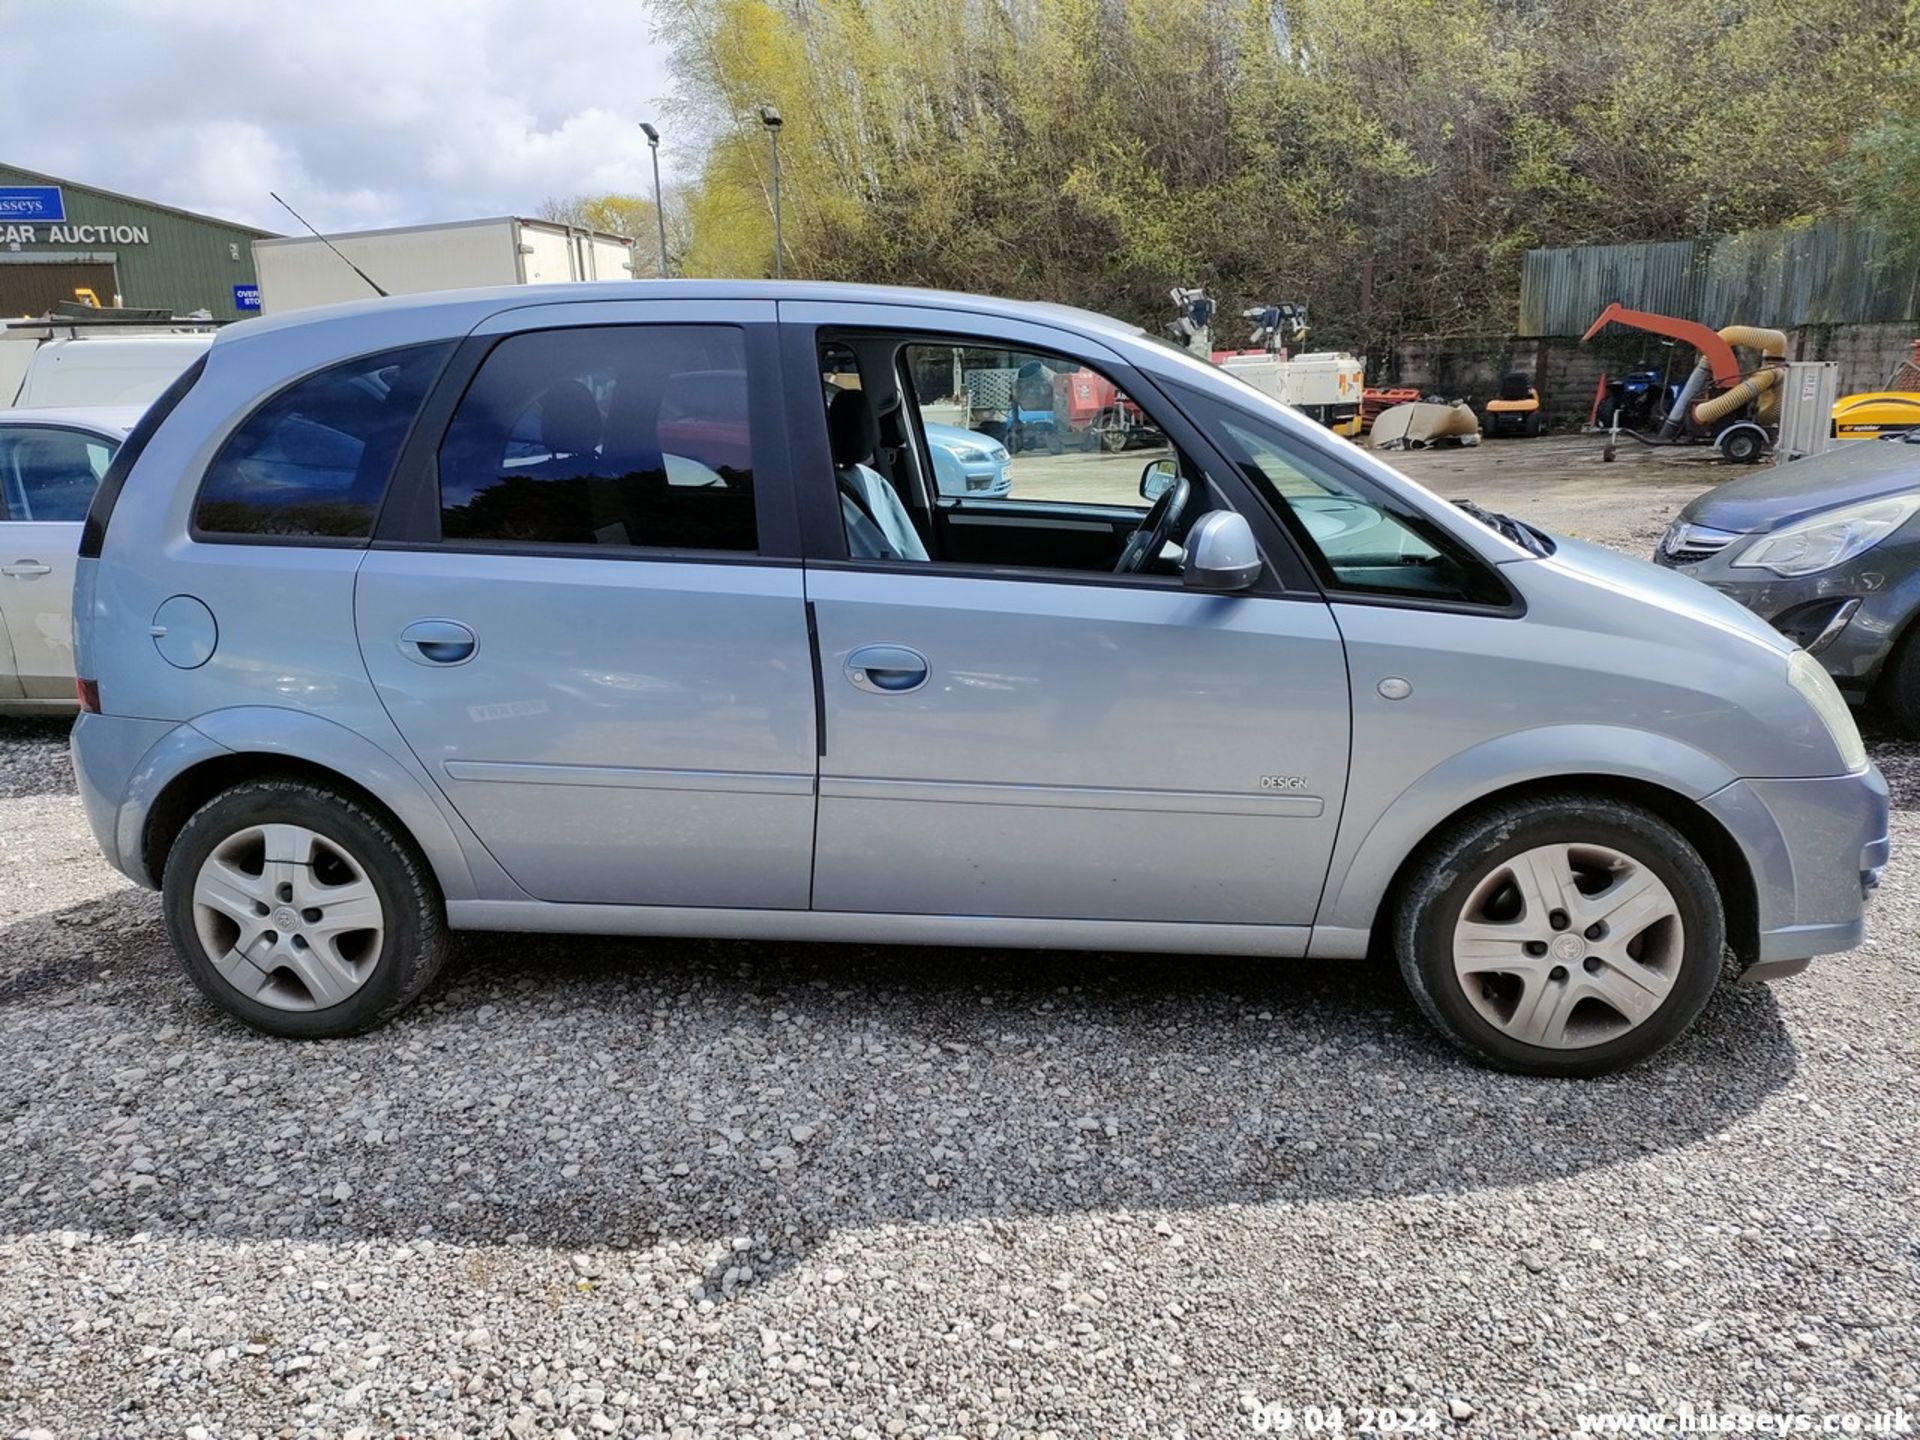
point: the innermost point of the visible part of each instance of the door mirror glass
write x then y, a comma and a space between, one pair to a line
1221, 553
1157, 479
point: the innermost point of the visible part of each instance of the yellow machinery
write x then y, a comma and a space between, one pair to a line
1891, 411
1516, 410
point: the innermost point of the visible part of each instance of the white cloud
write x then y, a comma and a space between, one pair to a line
360, 112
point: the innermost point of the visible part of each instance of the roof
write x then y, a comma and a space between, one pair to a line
114, 420
193, 215
579, 292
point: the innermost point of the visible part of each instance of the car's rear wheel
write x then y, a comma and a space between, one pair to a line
300, 911
1560, 934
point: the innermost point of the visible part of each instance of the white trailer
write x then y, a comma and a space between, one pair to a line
302, 270
1328, 384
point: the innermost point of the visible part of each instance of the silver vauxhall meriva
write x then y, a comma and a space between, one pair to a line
637, 609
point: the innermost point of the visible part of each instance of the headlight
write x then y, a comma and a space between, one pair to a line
1827, 540
970, 455
1816, 687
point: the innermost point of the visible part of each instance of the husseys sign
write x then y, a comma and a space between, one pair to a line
37, 215
73, 235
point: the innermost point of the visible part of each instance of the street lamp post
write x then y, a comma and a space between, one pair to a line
659, 213
770, 117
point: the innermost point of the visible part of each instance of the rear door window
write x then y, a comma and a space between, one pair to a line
48, 473
609, 436
314, 461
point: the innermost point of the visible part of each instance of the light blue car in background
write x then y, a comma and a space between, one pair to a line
965, 462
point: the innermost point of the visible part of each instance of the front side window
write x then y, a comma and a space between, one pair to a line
1035, 428
314, 461
1359, 540
49, 474
619, 435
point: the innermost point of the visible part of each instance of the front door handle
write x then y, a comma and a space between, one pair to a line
438, 642
26, 569
887, 669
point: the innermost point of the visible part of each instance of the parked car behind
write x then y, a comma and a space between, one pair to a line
1828, 552
50, 462
965, 462
393, 618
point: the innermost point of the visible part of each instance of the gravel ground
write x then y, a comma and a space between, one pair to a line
680, 1188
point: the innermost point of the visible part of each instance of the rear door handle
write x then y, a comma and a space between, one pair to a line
438, 642
887, 669
26, 569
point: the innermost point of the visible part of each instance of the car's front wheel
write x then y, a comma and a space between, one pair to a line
1560, 934
300, 910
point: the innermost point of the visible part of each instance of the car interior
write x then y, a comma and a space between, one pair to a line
893, 510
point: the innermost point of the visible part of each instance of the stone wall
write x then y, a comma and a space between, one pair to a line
1868, 355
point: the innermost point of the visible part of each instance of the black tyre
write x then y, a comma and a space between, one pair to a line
1899, 686
1562, 934
1743, 445
302, 912
1531, 426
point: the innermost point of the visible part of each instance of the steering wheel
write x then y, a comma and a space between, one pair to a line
1146, 543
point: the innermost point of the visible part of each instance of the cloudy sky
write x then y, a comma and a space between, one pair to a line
359, 112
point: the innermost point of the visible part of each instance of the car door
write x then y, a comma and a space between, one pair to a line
1017, 740
47, 478
584, 607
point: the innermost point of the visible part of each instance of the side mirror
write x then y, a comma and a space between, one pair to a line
1157, 479
1221, 554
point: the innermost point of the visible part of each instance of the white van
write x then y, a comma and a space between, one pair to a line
41, 371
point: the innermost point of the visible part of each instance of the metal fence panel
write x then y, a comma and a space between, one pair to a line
1831, 274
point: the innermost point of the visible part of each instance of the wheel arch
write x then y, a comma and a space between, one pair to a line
251, 744
1668, 777
1732, 876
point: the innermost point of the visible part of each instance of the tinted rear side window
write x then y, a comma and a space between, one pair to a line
314, 461
629, 435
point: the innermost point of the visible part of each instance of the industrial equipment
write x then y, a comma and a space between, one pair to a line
1192, 325
1326, 384
1806, 409
1874, 413
1516, 410
1734, 409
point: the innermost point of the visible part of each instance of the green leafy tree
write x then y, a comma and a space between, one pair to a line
1101, 151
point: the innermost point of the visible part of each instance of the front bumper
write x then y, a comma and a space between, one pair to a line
1815, 849
988, 482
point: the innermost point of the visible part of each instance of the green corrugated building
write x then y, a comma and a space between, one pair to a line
58, 238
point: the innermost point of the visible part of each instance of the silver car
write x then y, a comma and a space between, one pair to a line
430, 614
51, 459
965, 462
